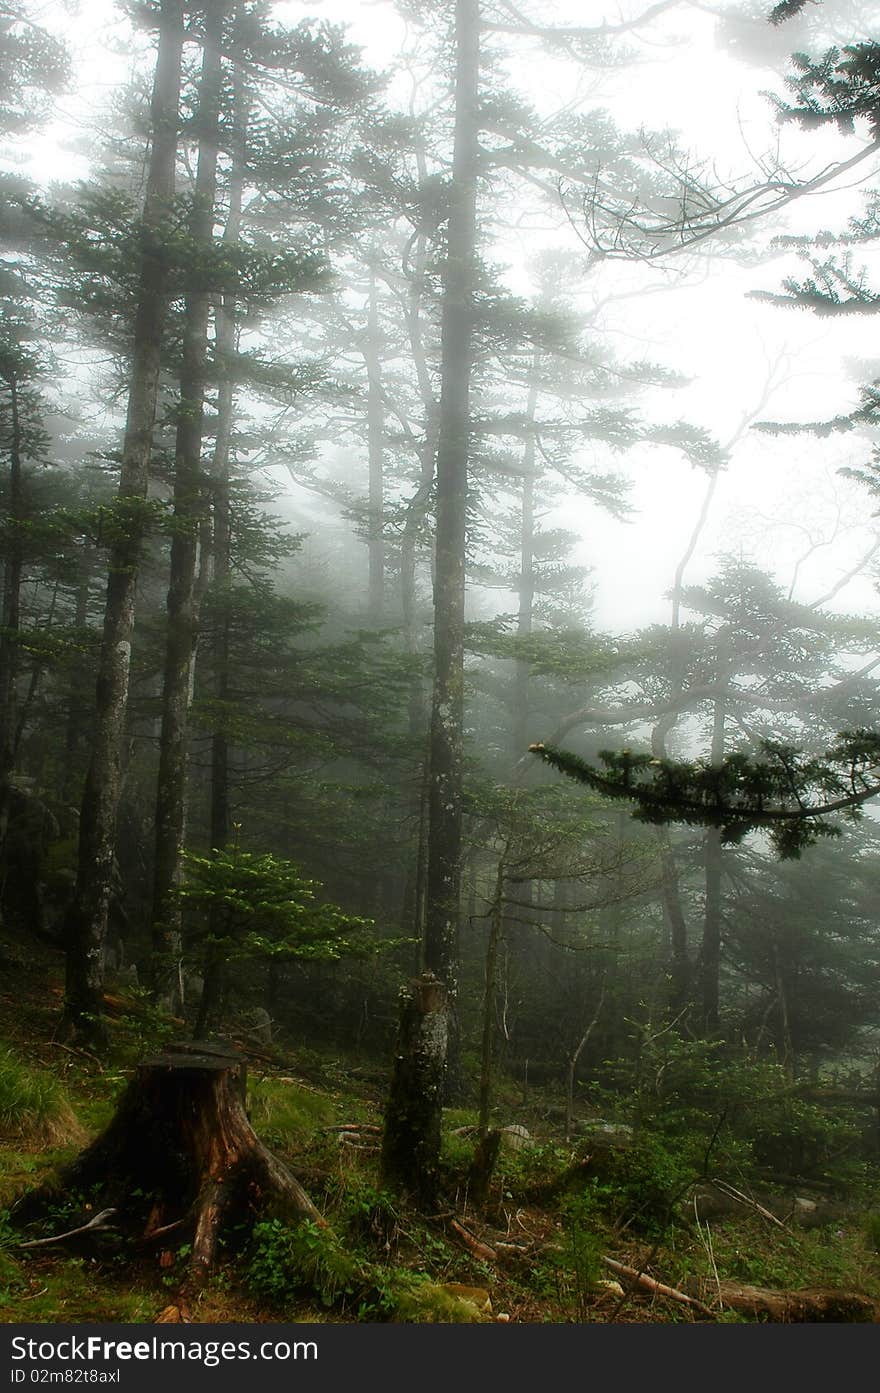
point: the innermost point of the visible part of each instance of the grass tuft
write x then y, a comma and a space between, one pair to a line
34, 1107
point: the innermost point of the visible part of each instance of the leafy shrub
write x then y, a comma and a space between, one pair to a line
292, 1260
732, 1113
795, 1138
369, 1215
580, 1256
640, 1184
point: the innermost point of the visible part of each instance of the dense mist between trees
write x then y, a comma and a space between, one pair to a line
440, 637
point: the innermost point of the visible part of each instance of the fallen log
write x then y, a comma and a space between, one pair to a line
646, 1283
815, 1304
353, 1127
99, 1224
474, 1245
738, 1197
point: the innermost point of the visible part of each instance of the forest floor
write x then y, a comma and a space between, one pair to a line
536, 1252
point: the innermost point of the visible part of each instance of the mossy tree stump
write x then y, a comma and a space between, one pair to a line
411, 1137
180, 1151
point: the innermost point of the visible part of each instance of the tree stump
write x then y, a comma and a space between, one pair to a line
180, 1150
411, 1138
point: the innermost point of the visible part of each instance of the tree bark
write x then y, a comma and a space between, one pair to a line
220, 816
678, 930
447, 712
411, 1137
496, 924
525, 616
79, 697
189, 505
817, 1305
483, 1166
710, 957
86, 927
376, 461
11, 615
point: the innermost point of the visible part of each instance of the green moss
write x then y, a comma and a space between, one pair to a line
427, 1303
37, 1289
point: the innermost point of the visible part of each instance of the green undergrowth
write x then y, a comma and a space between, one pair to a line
280, 1111
557, 1205
755, 1252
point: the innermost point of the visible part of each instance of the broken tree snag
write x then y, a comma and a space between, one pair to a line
180, 1149
411, 1138
482, 1167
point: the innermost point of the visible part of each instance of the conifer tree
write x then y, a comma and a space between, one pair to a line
87, 917
189, 506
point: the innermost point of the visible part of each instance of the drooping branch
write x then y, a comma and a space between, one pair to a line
640, 234
783, 792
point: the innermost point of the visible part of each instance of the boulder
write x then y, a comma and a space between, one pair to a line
607, 1136
515, 1137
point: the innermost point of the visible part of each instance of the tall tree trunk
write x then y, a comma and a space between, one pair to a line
446, 743
220, 816
710, 958
411, 1136
496, 924
673, 910
784, 1046
525, 616
87, 917
376, 453
189, 503
418, 504
414, 518
676, 924
78, 699
11, 617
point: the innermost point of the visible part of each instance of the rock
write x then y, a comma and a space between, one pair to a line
804, 1206
259, 1026
610, 1136
477, 1296
515, 1136
194, 985
610, 1288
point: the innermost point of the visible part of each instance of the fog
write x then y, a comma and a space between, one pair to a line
440, 659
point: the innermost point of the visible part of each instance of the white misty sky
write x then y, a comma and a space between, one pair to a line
781, 502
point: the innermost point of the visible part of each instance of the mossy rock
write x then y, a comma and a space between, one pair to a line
432, 1303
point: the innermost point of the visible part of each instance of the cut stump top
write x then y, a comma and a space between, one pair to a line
196, 1054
